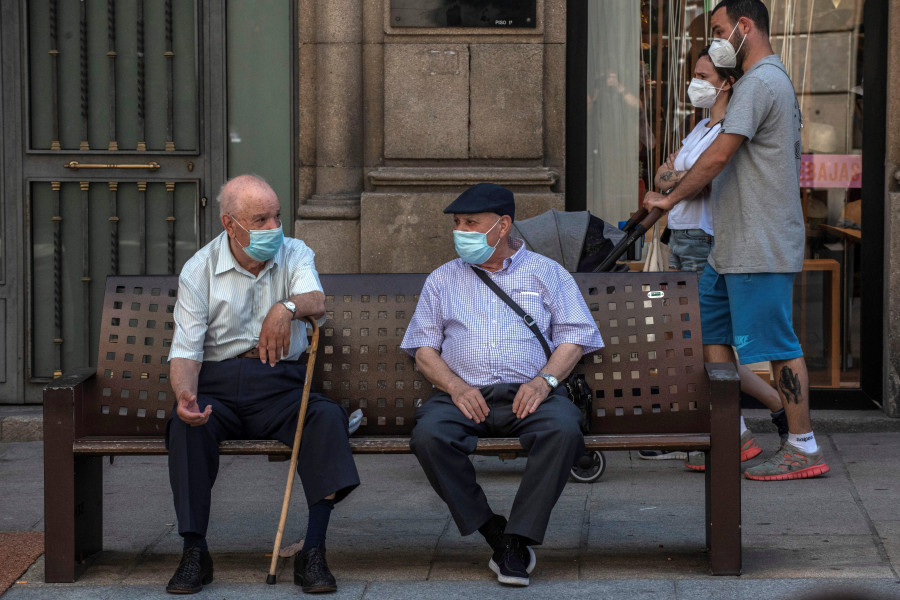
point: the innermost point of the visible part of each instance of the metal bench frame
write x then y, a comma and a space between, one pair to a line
651, 387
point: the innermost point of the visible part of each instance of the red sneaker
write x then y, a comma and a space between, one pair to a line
790, 462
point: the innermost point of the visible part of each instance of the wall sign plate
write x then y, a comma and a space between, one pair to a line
464, 13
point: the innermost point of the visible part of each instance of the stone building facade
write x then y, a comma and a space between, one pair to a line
394, 122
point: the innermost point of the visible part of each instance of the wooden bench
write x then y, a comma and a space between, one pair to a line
651, 387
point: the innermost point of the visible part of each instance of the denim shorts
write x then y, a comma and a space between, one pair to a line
750, 311
688, 249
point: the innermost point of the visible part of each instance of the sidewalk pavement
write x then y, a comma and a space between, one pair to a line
636, 533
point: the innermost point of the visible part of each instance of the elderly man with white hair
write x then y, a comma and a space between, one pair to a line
235, 372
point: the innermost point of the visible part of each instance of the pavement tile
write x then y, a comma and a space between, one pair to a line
465, 590
786, 589
802, 556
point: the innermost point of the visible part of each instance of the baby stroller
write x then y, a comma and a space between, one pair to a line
583, 243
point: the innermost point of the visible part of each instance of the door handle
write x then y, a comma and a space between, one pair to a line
75, 165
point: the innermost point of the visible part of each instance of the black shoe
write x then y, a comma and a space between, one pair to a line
513, 561
194, 571
311, 572
493, 530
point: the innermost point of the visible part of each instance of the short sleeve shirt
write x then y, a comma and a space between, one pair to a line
482, 339
221, 306
756, 207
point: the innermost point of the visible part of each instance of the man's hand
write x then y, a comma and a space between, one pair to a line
657, 200
275, 336
530, 396
189, 412
470, 402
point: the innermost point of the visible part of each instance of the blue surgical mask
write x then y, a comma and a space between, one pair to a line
472, 246
264, 243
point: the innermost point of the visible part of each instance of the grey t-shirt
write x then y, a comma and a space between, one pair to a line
756, 198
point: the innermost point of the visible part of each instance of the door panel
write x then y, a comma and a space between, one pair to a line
113, 76
83, 231
115, 170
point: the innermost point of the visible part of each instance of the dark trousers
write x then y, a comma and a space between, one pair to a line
443, 439
254, 401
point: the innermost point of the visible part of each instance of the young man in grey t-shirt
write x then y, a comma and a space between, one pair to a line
746, 289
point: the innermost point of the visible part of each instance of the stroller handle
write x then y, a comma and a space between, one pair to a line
643, 224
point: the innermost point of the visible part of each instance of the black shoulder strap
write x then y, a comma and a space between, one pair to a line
528, 319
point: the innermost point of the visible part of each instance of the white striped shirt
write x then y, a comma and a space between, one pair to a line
482, 339
221, 305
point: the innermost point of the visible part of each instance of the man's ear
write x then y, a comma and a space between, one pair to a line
226, 223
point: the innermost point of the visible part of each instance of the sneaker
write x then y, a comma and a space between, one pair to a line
662, 455
513, 561
749, 448
311, 572
194, 571
790, 462
696, 461
493, 532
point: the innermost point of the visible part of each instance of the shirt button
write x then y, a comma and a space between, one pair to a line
493, 345
494, 321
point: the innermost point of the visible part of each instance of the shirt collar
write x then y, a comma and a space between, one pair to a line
226, 260
511, 262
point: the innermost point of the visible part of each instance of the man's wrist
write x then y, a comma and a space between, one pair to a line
290, 307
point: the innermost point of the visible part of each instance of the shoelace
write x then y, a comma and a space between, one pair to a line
316, 566
189, 567
513, 553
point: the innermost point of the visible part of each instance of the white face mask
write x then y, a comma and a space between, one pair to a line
722, 53
702, 93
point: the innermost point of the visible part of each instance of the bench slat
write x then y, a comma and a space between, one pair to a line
124, 446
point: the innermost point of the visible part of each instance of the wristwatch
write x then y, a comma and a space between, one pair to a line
553, 381
290, 306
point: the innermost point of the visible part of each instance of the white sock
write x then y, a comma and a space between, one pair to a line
804, 441
743, 426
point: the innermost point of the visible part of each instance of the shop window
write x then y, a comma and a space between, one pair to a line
640, 62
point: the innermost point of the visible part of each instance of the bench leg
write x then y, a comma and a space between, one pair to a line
723, 476
73, 493
73, 520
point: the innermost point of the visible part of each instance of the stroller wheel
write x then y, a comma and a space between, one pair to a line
589, 468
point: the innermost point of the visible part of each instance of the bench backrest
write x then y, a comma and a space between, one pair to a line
648, 379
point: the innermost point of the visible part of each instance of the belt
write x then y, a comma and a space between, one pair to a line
251, 353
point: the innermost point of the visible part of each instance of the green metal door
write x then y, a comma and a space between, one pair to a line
127, 118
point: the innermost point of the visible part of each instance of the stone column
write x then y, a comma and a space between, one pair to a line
328, 219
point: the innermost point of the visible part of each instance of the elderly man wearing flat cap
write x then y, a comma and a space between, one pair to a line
493, 378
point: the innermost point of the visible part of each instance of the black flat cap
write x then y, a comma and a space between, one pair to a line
484, 197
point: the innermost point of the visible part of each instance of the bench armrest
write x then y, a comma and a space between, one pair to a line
725, 406
71, 379
63, 399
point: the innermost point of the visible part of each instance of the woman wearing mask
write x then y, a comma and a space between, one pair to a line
691, 231
690, 223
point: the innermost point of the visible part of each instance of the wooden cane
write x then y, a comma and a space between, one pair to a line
295, 451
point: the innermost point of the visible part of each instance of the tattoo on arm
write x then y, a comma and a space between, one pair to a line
789, 384
667, 175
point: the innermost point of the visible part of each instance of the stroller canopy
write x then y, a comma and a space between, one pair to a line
576, 240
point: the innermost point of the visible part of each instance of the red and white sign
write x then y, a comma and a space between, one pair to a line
830, 170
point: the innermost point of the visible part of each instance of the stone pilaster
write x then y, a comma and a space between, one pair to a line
332, 170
